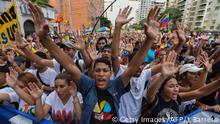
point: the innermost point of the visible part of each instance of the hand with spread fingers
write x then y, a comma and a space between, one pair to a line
151, 27
79, 41
180, 32
168, 65
11, 80
122, 17
39, 20
19, 41
34, 90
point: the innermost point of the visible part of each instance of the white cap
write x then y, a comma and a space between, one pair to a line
189, 68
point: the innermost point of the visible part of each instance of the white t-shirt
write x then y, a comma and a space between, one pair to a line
23, 106
79, 62
7, 90
131, 101
62, 113
48, 76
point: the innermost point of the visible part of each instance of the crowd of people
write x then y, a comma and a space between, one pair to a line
130, 77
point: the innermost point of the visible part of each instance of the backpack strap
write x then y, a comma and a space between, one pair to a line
38, 76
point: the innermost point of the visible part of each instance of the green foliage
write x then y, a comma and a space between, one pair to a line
198, 29
174, 14
42, 3
104, 22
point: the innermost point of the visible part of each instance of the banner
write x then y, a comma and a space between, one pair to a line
10, 115
8, 25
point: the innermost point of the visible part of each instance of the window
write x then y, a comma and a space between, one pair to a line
217, 8
213, 21
208, 9
211, 27
218, 1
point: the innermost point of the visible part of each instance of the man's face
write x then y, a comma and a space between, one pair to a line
102, 74
70, 52
106, 53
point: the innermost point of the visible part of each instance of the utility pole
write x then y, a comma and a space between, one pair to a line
71, 15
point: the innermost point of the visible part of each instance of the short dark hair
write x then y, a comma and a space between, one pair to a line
4, 68
64, 76
106, 47
41, 54
103, 60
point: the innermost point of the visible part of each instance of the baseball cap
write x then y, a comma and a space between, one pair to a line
189, 68
189, 59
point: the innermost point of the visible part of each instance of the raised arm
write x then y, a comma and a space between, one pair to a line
201, 92
121, 20
13, 83
42, 32
40, 110
151, 30
181, 36
167, 69
81, 46
29, 54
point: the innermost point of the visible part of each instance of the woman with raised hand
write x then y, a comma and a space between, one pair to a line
21, 95
64, 103
163, 97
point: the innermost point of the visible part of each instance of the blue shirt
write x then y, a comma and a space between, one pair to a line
87, 88
150, 56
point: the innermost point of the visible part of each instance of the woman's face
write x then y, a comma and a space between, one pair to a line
171, 89
101, 44
61, 87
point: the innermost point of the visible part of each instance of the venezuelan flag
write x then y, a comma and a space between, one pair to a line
165, 21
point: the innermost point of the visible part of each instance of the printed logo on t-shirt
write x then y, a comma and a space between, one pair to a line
167, 114
28, 109
102, 112
61, 117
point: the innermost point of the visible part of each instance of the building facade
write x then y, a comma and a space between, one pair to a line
77, 13
146, 5
112, 12
203, 14
24, 16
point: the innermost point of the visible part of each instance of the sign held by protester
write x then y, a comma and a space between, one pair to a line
8, 25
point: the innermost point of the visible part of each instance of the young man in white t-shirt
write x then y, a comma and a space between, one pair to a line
44, 74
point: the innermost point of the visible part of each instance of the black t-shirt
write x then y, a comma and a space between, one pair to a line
166, 111
104, 109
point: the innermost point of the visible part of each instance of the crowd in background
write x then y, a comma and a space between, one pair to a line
103, 78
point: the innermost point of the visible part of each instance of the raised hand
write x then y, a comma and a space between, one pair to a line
39, 20
92, 51
19, 41
205, 61
180, 32
151, 27
73, 89
122, 17
204, 37
34, 90
80, 42
11, 80
168, 65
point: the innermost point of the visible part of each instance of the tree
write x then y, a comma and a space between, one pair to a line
104, 22
174, 14
198, 29
42, 3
